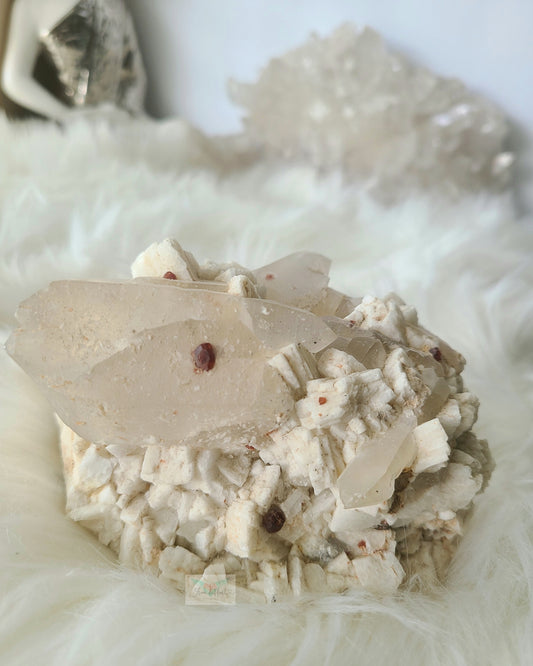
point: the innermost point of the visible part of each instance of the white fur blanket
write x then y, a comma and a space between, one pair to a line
81, 203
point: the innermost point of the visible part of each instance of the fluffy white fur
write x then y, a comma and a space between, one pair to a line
81, 203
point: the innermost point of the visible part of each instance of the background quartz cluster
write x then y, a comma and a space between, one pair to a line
355, 104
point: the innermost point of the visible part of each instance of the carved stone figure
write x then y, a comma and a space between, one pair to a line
61, 57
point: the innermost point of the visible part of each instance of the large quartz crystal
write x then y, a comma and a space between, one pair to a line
216, 420
346, 101
120, 364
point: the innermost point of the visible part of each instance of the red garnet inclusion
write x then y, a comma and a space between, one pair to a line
274, 519
204, 357
169, 275
436, 353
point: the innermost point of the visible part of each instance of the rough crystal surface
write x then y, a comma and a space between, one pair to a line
322, 445
119, 360
354, 104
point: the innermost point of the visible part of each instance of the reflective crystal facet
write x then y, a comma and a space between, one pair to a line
363, 345
299, 279
369, 477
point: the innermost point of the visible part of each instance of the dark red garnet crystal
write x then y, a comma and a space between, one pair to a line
436, 353
204, 357
274, 519
169, 275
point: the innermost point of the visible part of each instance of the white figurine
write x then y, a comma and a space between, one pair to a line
91, 45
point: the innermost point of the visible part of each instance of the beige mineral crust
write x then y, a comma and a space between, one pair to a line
220, 421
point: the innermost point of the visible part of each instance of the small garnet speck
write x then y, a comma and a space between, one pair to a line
169, 275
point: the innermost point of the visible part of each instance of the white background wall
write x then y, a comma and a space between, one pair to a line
191, 48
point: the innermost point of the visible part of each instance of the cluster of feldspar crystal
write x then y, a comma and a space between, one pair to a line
216, 420
345, 100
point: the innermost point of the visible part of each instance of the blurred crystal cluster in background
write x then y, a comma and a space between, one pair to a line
354, 103
484, 43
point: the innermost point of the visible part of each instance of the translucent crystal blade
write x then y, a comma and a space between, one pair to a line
115, 360
363, 344
438, 395
369, 477
336, 304
299, 279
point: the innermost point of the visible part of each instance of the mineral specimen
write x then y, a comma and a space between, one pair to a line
256, 423
346, 101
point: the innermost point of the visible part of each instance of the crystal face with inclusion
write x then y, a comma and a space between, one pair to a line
300, 280
118, 360
216, 420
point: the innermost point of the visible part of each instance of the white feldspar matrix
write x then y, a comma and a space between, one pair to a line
217, 421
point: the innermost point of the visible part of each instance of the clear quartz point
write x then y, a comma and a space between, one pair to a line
336, 304
363, 344
299, 279
369, 477
116, 362
439, 392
